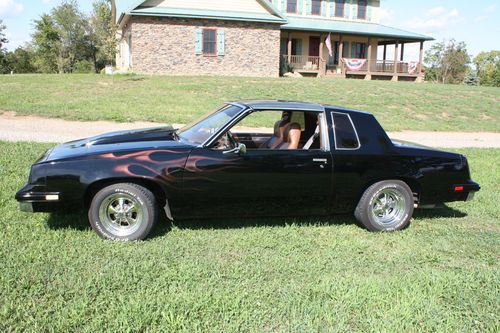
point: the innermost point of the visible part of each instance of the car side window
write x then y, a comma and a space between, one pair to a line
346, 137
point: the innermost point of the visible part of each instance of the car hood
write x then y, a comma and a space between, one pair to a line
149, 138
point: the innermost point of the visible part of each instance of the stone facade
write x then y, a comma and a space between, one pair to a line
163, 45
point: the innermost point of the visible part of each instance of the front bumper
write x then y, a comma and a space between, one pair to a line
32, 199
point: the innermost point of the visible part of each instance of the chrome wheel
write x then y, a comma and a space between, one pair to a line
388, 207
121, 214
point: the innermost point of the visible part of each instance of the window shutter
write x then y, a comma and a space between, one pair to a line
346, 50
199, 41
347, 9
300, 7
308, 7
283, 6
369, 10
298, 48
324, 7
332, 8
354, 9
353, 50
221, 43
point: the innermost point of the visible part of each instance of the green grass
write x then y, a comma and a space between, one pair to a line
262, 275
398, 105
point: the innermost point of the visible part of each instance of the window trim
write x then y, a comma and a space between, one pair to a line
335, 132
366, 11
320, 8
215, 54
296, 7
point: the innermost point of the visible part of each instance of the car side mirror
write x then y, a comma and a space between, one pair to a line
241, 149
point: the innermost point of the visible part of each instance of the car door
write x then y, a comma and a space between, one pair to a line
258, 182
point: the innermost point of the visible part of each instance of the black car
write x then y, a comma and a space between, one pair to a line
305, 159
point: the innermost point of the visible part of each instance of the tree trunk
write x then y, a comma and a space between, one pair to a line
113, 12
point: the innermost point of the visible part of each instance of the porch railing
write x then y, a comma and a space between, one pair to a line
303, 62
381, 66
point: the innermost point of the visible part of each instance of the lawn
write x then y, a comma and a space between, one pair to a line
261, 275
398, 105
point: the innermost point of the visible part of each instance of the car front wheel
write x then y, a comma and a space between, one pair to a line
385, 206
125, 212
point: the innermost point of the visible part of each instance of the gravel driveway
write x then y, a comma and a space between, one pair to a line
36, 129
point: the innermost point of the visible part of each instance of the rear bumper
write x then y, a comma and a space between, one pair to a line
33, 199
465, 192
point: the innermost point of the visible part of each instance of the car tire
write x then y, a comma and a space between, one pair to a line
123, 212
386, 206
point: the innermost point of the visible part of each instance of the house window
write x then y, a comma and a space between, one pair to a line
362, 4
296, 46
209, 41
291, 6
358, 50
316, 7
339, 8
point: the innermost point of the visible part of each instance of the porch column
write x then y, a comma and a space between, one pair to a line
421, 57
289, 47
341, 52
385, 57
322, 71
402, 51
396, 52
369, 60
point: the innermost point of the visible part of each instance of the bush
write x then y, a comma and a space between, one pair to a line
84, 67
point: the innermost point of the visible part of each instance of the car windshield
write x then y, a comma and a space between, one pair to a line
200, 130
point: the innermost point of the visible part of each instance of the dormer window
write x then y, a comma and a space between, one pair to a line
339, 8
316, 7
291, 6
362, 4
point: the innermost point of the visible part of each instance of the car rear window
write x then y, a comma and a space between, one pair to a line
346, 137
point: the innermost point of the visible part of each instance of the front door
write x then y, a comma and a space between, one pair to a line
258, 182
314, 46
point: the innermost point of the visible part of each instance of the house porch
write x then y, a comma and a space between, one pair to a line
353, 56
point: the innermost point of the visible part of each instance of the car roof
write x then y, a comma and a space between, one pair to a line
288, 105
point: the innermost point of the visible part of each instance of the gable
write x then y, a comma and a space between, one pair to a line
248, 6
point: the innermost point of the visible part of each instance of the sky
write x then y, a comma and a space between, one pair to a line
477, 22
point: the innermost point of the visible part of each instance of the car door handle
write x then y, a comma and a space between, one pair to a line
320, 160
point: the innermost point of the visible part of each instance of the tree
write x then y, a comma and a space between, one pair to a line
488, 68
47, 44
3, 41
3, 38
447, 62
61, 38
21, 60
103, 32
70, 24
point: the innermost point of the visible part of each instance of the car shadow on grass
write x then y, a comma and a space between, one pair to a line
80, 222
441, 212
68, 221
239, 223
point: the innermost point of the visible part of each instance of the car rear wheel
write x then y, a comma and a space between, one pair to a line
125, 212
385, 206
